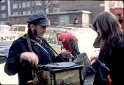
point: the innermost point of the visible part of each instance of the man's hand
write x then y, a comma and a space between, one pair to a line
31, 57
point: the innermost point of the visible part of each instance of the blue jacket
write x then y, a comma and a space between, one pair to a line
23, 69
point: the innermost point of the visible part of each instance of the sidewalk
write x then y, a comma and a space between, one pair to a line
5, 79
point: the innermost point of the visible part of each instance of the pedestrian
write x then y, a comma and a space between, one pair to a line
70, 43
31, 49
120, 19
75, 22
111, 53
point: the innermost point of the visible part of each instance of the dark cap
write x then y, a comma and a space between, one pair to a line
38, 18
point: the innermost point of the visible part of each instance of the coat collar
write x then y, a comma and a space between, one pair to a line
30, 35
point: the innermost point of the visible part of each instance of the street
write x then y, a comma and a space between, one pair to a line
86, 38
5, 79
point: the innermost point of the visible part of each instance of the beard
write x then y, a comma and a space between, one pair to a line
36, 35
35, 32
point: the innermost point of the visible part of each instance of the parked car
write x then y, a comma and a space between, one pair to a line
19, 29
4, 50
3, 55
6, 34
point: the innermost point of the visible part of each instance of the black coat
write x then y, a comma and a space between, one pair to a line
114, 62
23, 69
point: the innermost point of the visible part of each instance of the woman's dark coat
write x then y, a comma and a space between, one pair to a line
115, 62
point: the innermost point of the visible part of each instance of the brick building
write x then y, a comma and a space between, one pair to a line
3, 12
59, 12
60, 19
84, 11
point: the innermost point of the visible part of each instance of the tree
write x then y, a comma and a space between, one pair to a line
47, 5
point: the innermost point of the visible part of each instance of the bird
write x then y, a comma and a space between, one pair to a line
70, 43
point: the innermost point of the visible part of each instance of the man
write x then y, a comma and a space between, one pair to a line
31, 49
70, 43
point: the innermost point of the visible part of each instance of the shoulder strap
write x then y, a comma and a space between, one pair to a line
50, 47
29, 43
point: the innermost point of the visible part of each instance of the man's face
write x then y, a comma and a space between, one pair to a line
39, 30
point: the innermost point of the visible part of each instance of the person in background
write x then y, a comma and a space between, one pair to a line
70, 43
32, 49
111, 53
119, 18
75, 22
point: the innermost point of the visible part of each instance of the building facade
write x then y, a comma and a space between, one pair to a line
3, 12
21, 9
27, 7
59, 12
60, 19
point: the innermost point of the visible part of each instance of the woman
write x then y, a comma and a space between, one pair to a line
111, 53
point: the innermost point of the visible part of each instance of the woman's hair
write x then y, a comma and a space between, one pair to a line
110, 29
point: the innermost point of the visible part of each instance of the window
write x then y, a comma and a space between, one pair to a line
19, 13
28, 4
15, 6
21, 28
24, 12
3, 7
37, 10
14, 28
63, 20
38, 3
118, 4
32, 3
3, 0
55, 1
56, 10
3, 15
29, 12
24, 4
15, 13
20, 5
